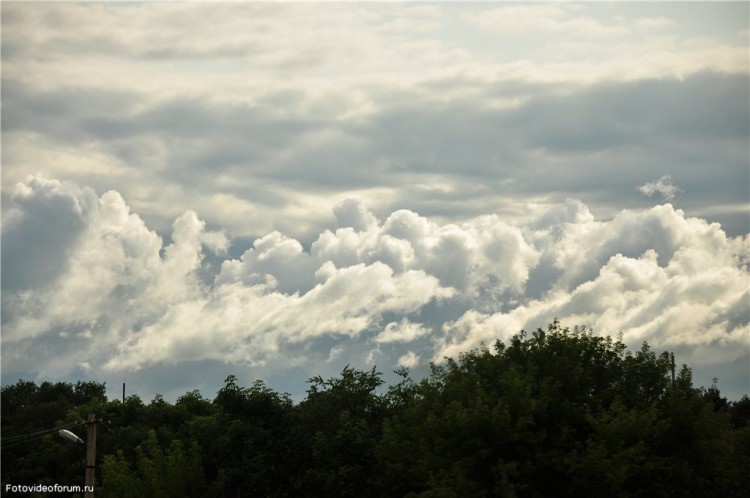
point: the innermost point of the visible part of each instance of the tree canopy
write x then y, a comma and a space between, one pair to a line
552, 413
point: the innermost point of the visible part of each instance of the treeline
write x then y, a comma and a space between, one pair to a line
553, 413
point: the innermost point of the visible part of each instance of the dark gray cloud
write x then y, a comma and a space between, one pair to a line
703, 107
556, 144
41, 224
69, 114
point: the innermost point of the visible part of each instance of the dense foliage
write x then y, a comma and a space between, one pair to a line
553, 413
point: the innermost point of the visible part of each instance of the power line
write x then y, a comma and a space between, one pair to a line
24, 441
33, 436
67, 426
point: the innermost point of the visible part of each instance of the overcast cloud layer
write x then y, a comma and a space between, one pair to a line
276, 191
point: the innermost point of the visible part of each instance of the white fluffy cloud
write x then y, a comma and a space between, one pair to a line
403, 331
662, 186
654, 275
250, 324
481, 254
133, 301
122, 300
409, 360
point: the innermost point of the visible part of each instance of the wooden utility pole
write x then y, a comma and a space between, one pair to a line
90, 456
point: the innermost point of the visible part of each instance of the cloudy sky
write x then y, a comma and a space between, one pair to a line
278, 190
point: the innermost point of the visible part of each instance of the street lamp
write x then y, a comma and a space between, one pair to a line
65, 433
90, 452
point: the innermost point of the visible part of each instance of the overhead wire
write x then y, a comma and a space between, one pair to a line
33, 436
66, 426
23, 441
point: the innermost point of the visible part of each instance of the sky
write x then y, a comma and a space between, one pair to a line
276, 190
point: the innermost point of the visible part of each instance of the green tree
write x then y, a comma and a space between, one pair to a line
333, 435
32, 452
561, 413
551, 413
158, 473
119, 479
246, 439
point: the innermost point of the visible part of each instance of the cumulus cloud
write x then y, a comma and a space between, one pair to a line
40, 230
250, 324
409, 360
121, 299
123, 291
662, 186
403, 331
118, 274
655, 275
482, 253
